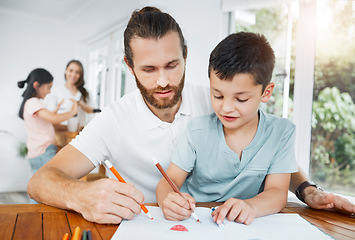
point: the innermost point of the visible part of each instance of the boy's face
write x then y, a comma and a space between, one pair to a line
236, 102
159, 69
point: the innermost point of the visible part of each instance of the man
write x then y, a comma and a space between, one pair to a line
144, 124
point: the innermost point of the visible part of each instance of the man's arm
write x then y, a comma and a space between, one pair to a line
104, 201
317, 199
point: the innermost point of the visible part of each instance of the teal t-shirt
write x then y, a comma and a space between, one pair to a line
216, 173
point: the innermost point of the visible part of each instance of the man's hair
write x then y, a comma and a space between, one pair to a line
243, 52
150, 22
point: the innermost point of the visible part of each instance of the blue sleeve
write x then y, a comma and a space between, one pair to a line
184, 155
284, 160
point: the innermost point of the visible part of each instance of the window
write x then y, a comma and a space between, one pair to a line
333, 121
274, 21
107, 69
313, 44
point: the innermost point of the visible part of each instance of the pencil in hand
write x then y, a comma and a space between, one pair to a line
219, 225
171, 183
120, 178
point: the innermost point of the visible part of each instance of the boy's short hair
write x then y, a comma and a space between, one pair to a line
243, 52
150, 22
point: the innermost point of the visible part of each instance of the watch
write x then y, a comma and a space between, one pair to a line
303, 186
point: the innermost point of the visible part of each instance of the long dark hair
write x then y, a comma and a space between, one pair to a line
39, 75
81, 82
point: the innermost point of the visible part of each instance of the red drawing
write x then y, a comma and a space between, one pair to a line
180, 228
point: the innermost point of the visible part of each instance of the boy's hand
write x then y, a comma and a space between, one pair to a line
235, 210
177, 208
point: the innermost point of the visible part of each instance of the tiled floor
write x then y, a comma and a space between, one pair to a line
14, 198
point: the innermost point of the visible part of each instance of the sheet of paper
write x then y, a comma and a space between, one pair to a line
272, 227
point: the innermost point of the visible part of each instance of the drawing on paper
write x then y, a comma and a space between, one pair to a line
179, 228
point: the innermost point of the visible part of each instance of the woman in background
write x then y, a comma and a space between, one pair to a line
73, 88
41, 143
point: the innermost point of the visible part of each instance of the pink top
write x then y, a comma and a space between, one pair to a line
40, 133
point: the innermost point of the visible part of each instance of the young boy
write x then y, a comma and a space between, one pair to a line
238, 154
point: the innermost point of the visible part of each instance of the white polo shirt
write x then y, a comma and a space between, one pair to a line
129, 135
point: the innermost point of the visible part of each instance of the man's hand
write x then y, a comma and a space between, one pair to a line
176, 207
108, 201
318, 199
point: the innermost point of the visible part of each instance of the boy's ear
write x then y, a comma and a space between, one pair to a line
128, 65
267, 92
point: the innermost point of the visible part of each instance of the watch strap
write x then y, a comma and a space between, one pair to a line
302, 187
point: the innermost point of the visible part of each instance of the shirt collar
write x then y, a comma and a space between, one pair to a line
150, 121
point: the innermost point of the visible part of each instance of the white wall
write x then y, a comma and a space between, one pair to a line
27, 43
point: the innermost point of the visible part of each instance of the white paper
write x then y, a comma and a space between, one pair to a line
277, 226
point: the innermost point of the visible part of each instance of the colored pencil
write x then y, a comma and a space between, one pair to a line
89, 234
119, 177
173, 186
66, 236
219, 225
76, 235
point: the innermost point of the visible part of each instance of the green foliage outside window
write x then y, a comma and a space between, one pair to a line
333, 121
333, 140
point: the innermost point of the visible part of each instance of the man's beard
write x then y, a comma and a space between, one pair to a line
162, 103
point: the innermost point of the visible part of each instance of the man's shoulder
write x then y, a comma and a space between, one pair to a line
197, 97
199, 90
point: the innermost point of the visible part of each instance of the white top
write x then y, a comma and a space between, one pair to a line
60, 93
40, 133
129, 135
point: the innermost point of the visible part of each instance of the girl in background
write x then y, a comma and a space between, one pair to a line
41, 143
73, 88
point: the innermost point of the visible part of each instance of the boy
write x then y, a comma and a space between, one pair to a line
238, 154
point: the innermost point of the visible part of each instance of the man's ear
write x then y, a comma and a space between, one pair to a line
128, 65
35, 85
267, 92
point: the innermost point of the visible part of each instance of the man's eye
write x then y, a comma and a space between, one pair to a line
171, 66
148, 70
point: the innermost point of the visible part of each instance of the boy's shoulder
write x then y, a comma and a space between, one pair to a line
203, 122
278, 122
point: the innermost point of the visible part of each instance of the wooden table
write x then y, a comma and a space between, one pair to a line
38, 221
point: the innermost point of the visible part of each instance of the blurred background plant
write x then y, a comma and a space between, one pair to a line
21, 148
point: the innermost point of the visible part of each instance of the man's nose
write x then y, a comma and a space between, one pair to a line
163, 79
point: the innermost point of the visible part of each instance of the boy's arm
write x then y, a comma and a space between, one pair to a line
174, 206
272, 200
274, 197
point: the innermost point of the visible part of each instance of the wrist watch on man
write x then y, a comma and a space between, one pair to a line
303, 186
